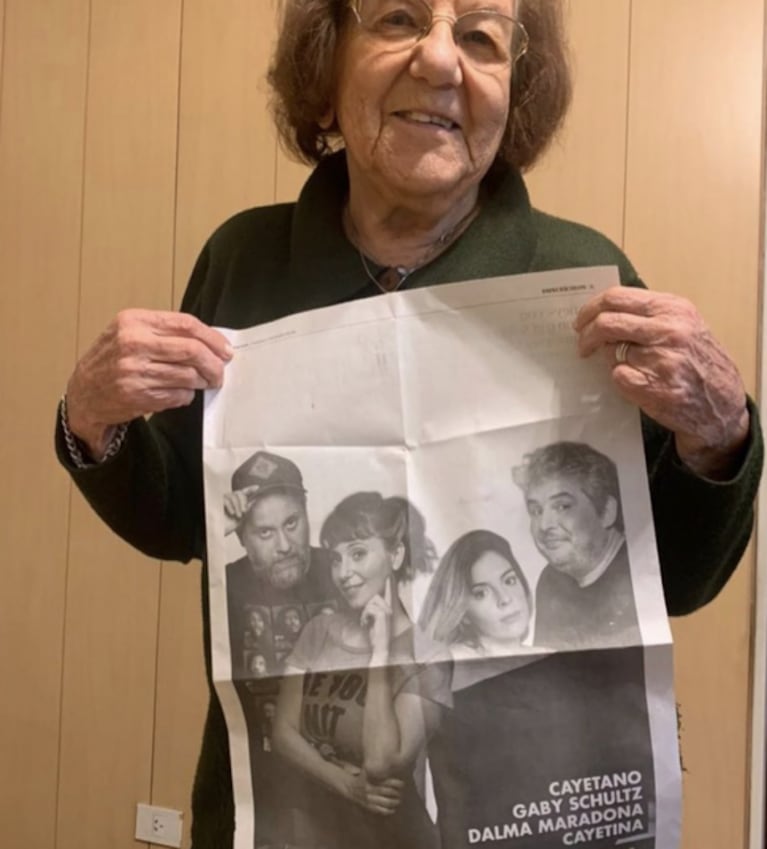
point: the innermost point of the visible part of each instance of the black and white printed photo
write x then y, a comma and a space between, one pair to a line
279, 572
346, 615
546, 755
356, 709
584, 596
437, 621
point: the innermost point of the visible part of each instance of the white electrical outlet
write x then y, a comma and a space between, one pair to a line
161, 826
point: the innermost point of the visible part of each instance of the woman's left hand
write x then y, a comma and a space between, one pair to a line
673, 369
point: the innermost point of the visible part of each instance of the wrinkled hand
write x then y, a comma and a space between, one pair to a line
675, 371
145, 361
378, 797
236, 505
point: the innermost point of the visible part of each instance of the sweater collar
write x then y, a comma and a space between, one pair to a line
325, 268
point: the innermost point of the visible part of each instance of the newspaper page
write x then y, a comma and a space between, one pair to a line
436, 609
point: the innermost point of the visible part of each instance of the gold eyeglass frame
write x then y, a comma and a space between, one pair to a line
355, 5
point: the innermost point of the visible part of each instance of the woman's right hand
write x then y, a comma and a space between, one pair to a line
377, 797
144, 362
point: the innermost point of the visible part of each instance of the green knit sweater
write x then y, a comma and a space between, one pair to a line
270, 262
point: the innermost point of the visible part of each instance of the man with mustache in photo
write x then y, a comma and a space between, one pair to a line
267, 511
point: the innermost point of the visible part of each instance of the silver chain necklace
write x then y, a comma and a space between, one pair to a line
391, 277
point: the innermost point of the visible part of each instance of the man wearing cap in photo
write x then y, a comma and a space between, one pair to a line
584, 596
267, 511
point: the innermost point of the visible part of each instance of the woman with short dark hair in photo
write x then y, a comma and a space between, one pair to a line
363, 690
479, 602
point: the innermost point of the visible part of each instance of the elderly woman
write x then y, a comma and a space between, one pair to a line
420, 118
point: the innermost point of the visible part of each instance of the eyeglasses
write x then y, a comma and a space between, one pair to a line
487, 39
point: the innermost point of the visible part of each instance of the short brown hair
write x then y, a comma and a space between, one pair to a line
302, 79
394, 520
595, 473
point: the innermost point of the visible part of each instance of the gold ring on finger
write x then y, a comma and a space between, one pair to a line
622, 353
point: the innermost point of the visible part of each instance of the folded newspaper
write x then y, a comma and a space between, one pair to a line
436, 605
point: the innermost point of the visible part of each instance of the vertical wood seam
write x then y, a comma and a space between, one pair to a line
173, 305
174, 297
3, 53
627, 125
276, 169
70, 488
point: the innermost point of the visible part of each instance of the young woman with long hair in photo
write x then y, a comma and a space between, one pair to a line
479, 602
364, 690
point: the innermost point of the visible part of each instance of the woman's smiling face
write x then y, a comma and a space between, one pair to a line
422, 120
361, 568
498, 607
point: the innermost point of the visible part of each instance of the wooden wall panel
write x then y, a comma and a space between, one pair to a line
226, 141
692, 216
692, 226
2, 39
582, 176
43, 98
113, 592
226, 163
